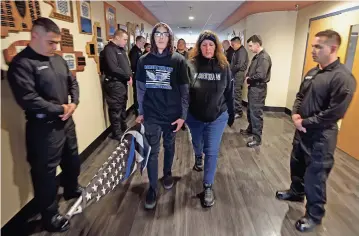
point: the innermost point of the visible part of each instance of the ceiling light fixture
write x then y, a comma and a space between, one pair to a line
191, 17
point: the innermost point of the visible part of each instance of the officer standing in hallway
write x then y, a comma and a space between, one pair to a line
228, 50
118, 73
41, 83
323, 98
258, 76
181, 48
239, 66
134, 55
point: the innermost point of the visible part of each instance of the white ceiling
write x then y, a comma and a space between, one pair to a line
208, 14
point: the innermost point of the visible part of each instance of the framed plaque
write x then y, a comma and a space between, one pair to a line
94, 47
84, 16
18, 16
110, 20
70, 59
62, 10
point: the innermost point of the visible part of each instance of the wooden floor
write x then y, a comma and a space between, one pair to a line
245, 184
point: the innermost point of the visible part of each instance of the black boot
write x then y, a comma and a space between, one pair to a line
56, 223
73, 194
305, 224
289, 195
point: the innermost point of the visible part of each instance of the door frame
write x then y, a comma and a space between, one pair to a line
321, 17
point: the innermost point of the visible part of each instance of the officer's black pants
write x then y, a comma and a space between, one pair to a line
311, 162
116, 97
238, 87
50, 144
256, 100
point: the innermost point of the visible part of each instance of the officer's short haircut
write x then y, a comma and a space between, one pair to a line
255, 39
138, 38
331, 35
181, 40
236, 39
47, 24
120, 32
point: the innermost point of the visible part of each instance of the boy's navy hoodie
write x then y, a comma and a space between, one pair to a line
162, 87
211, 90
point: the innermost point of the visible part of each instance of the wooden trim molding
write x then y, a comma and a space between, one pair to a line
252, 7
140, 10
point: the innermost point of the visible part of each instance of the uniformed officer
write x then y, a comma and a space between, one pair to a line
239, 66
118, 73
323, 98
228, 50
181, 49
41, 83
135, 54
258, 76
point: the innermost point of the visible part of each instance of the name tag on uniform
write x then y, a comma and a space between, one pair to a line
308, 77
42, 67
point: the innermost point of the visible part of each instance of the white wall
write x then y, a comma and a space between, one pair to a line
277, 31
16, 187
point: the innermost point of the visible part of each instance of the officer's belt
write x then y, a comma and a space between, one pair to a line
42, 117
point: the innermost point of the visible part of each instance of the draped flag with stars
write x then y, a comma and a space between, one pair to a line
132, 149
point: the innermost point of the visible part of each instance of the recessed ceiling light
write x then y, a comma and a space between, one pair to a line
191, 17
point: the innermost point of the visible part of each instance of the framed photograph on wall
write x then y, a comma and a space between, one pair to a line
62, 10
70, 59
84, 16
110, 20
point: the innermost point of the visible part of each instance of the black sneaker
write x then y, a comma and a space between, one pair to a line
198, 164
167, 182
57, 223
208, 200
245, 132
151, 199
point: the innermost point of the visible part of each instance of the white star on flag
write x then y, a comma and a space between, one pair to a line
122, 144
120, 167
88, 196
98, 197
123, 163
94, 188
100, 180
114, 185
125, 150
118, 159
122, 155
103, 190
125, 141
114, 153
118, 148
105, 174
117, 181
109, 169
108, 183
110, 158
113, 178
116, 172
120, 176
113, 164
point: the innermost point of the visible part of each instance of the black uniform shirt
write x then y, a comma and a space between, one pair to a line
134, 55
41, 84
260, 69
239, 60
116, 63
229, 54
324, 95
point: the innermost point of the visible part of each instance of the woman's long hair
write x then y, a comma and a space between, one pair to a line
218, 53
154, 48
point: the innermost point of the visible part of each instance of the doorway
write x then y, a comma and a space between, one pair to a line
349, 129
346, 23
